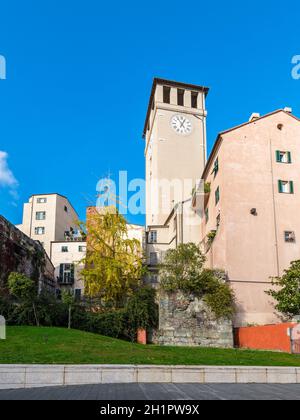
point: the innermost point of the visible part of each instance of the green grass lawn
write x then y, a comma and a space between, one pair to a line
61, 346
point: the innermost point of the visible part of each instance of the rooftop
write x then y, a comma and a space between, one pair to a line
173, 83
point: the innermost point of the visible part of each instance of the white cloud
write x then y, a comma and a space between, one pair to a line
7, 178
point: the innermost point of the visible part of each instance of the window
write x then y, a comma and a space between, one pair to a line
153, 278
206, 215
40, 215
66, 273
180, 97
283, 157
77, 294
217, 195
81, 248
194, 101
153, 258
216, 167
64, 249
286, 187
41, 200
39, 231
289, 237
153, 237
66, 209
167, 94
218, 220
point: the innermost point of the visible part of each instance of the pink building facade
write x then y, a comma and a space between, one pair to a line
252, 212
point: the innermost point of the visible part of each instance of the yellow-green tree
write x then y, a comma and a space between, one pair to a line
113, 263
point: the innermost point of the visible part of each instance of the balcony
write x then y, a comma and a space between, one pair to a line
200, 195
65, 281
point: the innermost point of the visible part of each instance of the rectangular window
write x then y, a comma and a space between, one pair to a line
64, 249
153, 278
218, 220
66, 273
41, 200
153, 237
216, 167
82, 248
167, 94
217, 195
40, 215
153, 258
286, 187
289, 236
283, 157
39, 231
77, 294
194, 100
180, 97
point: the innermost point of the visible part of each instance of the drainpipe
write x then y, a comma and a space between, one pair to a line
204, 130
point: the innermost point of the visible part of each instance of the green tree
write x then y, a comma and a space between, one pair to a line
183, 269
69, 300
25, 290
287, 291
113, 263
141, 311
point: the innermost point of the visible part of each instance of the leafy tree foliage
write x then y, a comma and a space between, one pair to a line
183, 269
113, 264
287, 292
141, 311
25, 290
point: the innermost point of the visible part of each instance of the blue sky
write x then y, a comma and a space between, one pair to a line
79, 75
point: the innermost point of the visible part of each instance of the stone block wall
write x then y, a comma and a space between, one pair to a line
185, 320
19, 253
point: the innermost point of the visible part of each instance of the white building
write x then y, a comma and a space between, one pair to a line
136, 232
48, 218
67, 258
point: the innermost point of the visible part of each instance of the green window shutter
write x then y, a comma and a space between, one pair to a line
278, 156
206, 215
289, 157
291, 187
72, 272
217, 195
280, 186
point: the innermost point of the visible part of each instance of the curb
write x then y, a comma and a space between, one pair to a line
31, 376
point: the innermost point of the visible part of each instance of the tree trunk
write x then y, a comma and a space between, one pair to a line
35, 315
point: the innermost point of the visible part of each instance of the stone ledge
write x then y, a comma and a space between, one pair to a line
31, 376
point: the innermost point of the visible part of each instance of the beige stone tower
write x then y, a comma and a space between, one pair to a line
175, 135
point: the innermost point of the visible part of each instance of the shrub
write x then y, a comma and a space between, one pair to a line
109, 324
141, 312
183, 270
288, 294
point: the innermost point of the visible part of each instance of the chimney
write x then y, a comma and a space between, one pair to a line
254, 116
288, 110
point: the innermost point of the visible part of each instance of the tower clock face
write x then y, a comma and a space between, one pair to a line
181, 125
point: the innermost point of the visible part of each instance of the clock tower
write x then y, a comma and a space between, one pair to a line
175, 152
